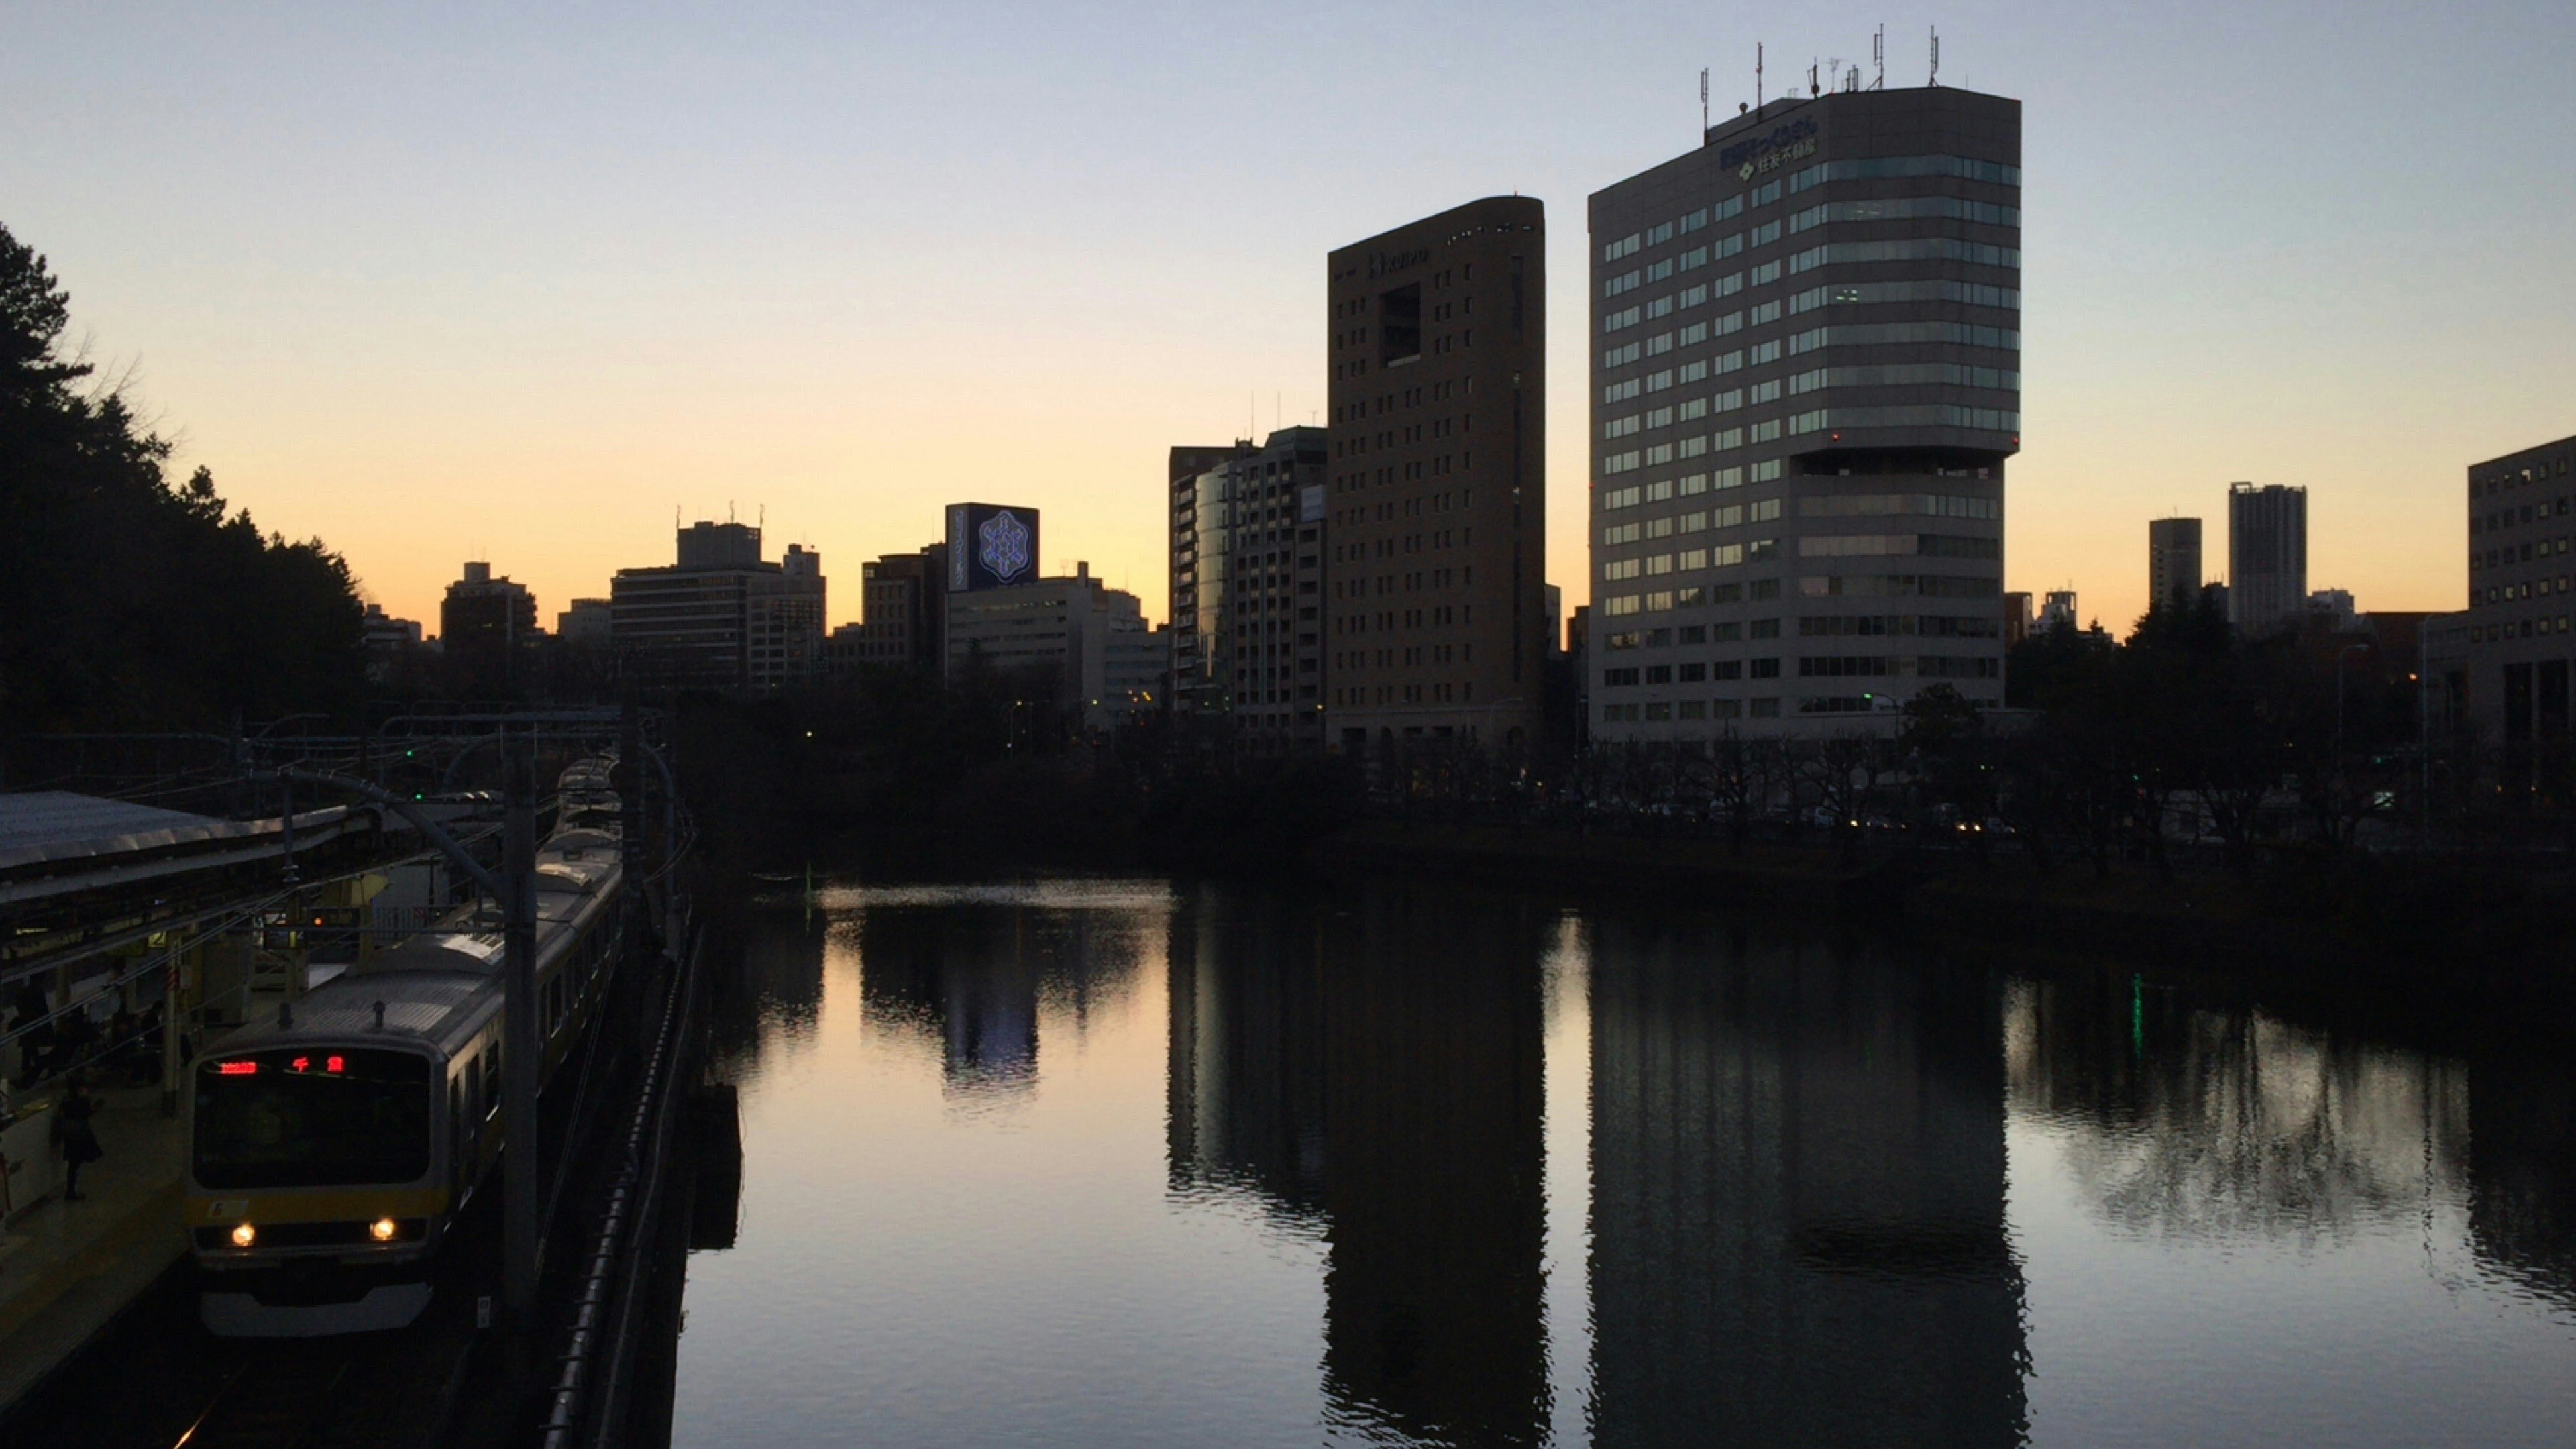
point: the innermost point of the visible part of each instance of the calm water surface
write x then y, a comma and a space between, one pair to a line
1127, 1163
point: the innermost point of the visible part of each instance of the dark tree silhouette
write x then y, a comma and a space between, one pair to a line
125, 602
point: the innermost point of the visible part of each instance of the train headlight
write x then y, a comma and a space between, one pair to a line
245, 1235
382, 1230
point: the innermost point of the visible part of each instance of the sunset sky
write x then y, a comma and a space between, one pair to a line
516, 284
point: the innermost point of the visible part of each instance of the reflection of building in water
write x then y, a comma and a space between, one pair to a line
962, 979
976, 981
2208, 1123
774, 996
1797, 1200
1383, 1068
2522, 1161
1434, 1158
1245, 1076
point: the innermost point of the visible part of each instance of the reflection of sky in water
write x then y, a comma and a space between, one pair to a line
1110, 1163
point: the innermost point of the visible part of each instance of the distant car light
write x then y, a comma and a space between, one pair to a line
382, 1229
244, 1235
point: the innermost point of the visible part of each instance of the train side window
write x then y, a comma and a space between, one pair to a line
456, 1126
492, 1054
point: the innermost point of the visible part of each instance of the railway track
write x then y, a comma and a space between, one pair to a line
279, 1399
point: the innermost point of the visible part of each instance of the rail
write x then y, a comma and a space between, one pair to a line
591, 1386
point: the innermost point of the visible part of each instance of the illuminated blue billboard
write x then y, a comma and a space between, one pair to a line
990, 546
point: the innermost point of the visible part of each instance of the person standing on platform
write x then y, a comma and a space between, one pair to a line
78, 1138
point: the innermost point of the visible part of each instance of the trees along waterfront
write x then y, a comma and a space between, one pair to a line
127, 602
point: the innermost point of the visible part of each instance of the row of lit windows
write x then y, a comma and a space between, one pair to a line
1457, 692
1919, 289
2515, 593
1897, 586
1904, 249
2497, 482
1833, 666
1732, 207
1920, 415
1691, 410
2508, 517
1660, 380
1886, 334
1691, 709
1898, 545
1865, 505
1877, 168
1905, 374
1899, 208
2525, 629
1761, 510
1689, 560
1611, 500
2511, 553
1689, 261
1688, 635
1692, 596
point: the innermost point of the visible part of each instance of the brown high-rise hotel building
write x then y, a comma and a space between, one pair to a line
1436, 627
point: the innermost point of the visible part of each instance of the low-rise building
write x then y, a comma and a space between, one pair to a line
487, 627
1083, 642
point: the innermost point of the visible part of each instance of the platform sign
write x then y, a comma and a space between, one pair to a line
990, 546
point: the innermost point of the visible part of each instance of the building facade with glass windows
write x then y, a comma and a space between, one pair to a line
1247, 543
1436, 632
1805, 382
2511, 678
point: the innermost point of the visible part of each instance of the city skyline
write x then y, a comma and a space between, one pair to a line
571, 281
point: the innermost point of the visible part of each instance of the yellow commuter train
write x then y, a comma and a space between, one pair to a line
330, 1149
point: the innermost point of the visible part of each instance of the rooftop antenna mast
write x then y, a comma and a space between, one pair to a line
1878, 57
1814, 87
1703, 100
1936, 57
1757, 75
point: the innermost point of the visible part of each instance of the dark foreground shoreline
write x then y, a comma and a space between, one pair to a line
2480, 927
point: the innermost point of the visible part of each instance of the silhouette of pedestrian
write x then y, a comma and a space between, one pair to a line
78, 1138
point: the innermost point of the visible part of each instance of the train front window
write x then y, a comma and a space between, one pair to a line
312, 1118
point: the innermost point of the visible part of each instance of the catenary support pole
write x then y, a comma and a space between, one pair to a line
520, 1189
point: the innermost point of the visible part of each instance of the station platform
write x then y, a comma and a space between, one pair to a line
68, 1268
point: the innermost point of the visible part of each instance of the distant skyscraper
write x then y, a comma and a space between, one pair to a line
2173, 563
1806, 337
2267, 557
1437, 499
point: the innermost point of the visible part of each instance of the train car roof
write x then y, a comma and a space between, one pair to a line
422, 1007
